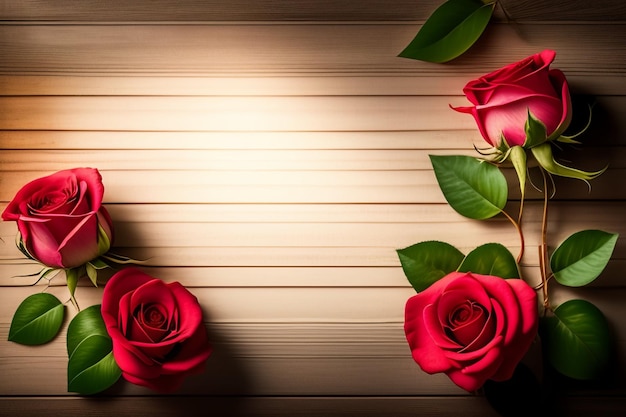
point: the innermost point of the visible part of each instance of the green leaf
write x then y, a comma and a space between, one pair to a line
86, 323
474, 188
543, 155
491, 259
578, 340
37, 320
582, 257
426, 262
450, 31
91, 367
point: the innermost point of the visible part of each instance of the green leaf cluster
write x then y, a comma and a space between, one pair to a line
577, 334
426, 262
91, 367
450, 31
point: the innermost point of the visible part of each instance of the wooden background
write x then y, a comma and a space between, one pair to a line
271, 155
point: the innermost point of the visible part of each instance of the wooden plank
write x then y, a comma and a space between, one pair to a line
236, 10
574, 405
319, 305
363, 187
291, 49
254, 140
355, 275
306, 406
433, 85
327, 235
256, 160
231, 113
249, 114
231, 160
298, 10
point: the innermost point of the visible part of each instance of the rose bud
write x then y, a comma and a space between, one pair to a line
503, 99
60, 218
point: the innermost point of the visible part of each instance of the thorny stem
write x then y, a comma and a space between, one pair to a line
518, 227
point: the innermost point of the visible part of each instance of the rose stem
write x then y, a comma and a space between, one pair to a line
521, 235
543, 249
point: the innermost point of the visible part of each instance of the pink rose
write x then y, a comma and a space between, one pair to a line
60, 218
503, 98
157, 329
471, 327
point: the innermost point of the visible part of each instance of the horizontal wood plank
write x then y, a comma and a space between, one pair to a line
299, 10
297, 49
240, 406
321, 85
363, 187
254, 140
258, 160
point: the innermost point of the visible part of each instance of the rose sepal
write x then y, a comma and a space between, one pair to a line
536, 132
543, 155
571, 138
518, 158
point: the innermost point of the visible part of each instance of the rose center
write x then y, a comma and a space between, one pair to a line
465, 312
466, 322
152, 316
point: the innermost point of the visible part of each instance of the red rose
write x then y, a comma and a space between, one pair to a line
503, 98
60, 218
157, 329
471, 327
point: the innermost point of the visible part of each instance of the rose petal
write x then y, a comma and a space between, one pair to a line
502, 291
80, 244
433, 326
487, 365
475, 334
193, 353
156, 292
517, 349
467, 382
40, 243
164, 384
428, 355
122, 282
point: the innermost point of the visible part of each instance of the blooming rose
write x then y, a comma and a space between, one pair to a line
503, 98
60, 218
471, 327
157, 329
